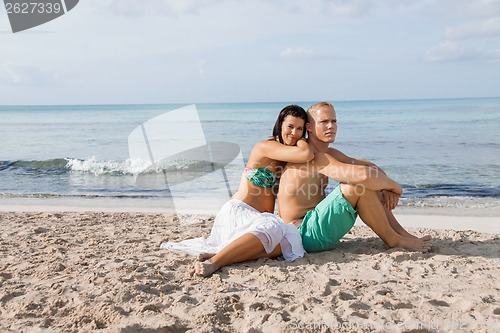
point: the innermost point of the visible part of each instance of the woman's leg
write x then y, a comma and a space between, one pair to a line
247, 247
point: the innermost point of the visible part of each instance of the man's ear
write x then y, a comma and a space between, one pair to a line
308, 127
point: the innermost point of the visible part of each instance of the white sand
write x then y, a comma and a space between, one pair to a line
104, 271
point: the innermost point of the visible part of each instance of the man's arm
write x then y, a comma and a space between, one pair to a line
341, 157
389, 198
368, 176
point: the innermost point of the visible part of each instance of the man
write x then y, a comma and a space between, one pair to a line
365, 190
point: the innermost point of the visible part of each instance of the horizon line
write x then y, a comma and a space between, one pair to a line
261, 102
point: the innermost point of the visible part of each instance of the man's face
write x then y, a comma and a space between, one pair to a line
324, 125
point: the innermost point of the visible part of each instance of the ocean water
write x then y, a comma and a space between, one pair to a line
445, 152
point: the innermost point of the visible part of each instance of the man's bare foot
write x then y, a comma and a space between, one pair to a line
422, 244
405, 233
204, 268
205, 256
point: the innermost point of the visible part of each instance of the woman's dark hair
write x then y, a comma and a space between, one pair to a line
290, 110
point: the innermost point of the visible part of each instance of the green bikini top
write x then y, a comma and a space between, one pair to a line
262, 177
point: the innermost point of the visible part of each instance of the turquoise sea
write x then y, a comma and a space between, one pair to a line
443, 151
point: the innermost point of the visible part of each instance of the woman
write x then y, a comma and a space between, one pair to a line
246, 228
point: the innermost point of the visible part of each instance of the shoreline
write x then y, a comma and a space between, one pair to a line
480, 219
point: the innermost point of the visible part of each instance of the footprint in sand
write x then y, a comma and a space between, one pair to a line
346, 296
384, 292
360, 306
436, 302
10, 296
186, 299
258, 306
403, 305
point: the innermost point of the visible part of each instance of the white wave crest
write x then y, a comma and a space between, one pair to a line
136, 166
96, 167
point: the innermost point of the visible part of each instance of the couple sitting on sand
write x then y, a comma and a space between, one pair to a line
246, 227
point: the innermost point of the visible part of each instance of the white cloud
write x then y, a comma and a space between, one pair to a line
176, 8
486, 28
351, 8
169, 8
360, 8
454, 51
296, 53
476, 8
469, 22
11, 73
450, 51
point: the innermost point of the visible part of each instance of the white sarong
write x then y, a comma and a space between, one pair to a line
237, 218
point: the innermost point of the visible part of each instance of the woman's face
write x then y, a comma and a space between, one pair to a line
292, 129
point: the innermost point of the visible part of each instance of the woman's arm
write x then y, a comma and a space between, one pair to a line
300, 153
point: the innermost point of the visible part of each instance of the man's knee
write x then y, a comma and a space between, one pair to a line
349, 190
352, 193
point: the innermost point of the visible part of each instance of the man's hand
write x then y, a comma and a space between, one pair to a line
389, 199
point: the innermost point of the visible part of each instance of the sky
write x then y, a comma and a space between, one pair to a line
217, 51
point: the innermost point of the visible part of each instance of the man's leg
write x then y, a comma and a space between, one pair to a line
399, 228
245, 248
393, 221
373, 214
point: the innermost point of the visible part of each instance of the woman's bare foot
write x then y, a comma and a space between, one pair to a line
426, 238
205, 256
204, 268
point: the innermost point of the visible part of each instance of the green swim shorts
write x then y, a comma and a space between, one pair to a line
327, 223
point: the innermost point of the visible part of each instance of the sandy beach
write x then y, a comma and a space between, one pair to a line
85, 271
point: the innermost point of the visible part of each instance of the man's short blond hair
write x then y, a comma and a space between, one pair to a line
317, 106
